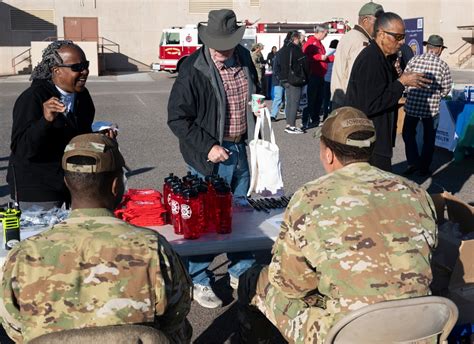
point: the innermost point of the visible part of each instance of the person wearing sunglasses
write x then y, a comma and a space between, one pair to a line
375, 86
55, 108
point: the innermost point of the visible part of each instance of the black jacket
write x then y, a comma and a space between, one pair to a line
374, 89
298, 61
197, 106
37, 145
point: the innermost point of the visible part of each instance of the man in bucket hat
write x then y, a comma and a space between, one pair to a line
422, 104
351, 238
209, 113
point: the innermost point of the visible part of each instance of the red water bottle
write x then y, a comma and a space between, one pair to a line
167, 197
190, 208
201, 188
176, 200
210, 211
224, 209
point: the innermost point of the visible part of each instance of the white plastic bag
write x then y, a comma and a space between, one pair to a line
266, 177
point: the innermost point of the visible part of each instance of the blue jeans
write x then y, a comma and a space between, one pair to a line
315, 94
278, 92
235, 171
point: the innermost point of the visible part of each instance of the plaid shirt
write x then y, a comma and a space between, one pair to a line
424, 102
236, 91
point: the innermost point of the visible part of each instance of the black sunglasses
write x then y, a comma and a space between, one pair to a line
76, 67
397, 36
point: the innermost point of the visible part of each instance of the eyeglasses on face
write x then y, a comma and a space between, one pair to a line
397, 36
76, 67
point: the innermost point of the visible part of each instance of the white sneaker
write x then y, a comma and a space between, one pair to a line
293, 130
205, 296
234, 282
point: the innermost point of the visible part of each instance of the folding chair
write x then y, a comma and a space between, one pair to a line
427, 319
120, 334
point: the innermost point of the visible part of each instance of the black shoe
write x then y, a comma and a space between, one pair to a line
410, 170
273, 119
424, 172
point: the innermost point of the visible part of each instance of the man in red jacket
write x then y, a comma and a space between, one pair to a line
318, 65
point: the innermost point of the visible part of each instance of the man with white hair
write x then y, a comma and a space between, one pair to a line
349, 47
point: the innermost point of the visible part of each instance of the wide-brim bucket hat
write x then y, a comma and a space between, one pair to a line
221, 31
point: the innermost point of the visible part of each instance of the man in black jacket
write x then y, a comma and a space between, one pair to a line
209, 113
46, 116
374, 88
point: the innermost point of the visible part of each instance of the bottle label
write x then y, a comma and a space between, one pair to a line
186, 212
174, 207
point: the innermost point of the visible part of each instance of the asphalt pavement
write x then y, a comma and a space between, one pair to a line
138, 103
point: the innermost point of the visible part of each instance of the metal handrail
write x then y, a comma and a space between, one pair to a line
461, 58
15, 63
459, 48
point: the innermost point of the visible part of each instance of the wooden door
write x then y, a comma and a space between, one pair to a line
81, 29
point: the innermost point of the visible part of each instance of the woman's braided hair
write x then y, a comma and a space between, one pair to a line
50, 59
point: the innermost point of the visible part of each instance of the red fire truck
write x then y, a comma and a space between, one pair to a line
177, 43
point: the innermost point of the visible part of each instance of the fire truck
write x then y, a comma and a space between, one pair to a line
177, 43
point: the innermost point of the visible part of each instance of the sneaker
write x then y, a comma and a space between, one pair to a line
234, 282
205, 296
294, 130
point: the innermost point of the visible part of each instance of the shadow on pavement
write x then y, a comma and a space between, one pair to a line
4, 190
448, 175
221, 329
139, 171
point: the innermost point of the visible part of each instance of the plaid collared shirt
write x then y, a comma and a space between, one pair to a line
236, 91
424, 102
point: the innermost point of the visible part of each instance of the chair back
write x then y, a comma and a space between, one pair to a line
415, 320
120, 334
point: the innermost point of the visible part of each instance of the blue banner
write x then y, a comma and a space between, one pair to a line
414, 34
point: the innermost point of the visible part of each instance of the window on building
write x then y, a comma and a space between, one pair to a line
32, 20
255, 3
204, 6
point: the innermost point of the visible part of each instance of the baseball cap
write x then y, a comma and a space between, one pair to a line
103, 149
345, 121
370, 9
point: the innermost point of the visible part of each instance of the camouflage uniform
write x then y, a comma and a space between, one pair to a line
351, 238
94, 270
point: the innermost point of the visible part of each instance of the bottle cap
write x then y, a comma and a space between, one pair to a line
190, 193
178, 190
170, 178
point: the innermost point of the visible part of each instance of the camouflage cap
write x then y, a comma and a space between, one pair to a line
103, 149
370, 9
345, 121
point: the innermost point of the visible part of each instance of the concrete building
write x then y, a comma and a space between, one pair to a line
128, 31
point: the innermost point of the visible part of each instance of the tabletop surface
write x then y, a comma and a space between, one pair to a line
251, 231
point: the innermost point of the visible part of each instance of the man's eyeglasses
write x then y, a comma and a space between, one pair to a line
398, 36
76, 67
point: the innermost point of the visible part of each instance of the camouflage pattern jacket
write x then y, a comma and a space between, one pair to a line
351, 238
94, 270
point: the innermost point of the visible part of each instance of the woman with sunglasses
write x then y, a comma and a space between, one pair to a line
55, 108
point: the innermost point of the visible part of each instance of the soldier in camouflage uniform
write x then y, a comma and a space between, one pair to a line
93, 269
351, 238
